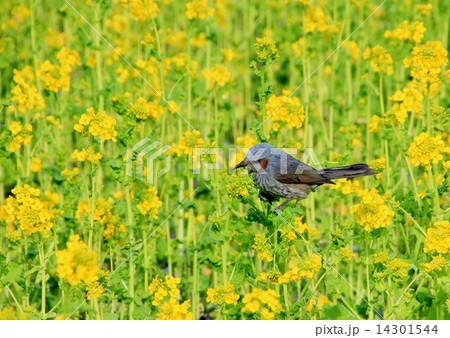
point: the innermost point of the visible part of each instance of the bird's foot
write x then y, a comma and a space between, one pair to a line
280, 207
277, 210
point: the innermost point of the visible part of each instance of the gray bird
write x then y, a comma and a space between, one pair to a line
278, 174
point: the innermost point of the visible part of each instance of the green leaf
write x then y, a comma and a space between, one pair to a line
337, 312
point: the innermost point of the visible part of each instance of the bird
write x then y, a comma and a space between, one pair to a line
278, 174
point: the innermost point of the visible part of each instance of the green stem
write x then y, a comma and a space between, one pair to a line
43, 277
369, 296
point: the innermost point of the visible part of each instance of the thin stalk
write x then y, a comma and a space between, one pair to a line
43, 276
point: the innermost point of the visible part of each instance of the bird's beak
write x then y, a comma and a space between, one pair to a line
240, 165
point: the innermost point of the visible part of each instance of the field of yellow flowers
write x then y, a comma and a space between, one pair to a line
355, 81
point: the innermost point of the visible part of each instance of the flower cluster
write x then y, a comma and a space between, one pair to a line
426, 150
264, 302
150, 203
380, 257
21, 135
86, 155
198, 9
301, 227
223, 294
141, 10
219, 75
317, 20
262, 247
407, 100
165, 295
437, 263
413, 32
144, 109
189, 140
77, 263
102, 210
28, 211
266, 50
299, 268
372, 212
240, 188
321, 301
285, 109
438, 238
380, 60
98, 124
25, 94
54, 77
426, 64
398, 267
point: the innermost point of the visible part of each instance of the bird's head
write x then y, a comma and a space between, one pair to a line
257, 158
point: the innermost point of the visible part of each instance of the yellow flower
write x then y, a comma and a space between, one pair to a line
28, 211
438, 238
77, 263
169, 307
302, 227
172, 310
199, 41
426, 63
241, 187
286, 110
398, 266
150, 203
374, 124
102, 210
198, 9
380, 257
141, 10
347, 254
322, 301
264, 301
378, 164
70, 174
266, 50
68, 58
228, 54
262, 248
21, 135
9, 313
223, 294
94, 290
353, 49
144, 109
437, 263
189, 140
54, 77
36, 165
316, 20
423, 9
372, 213
86, 155
407, 100
426, 150
380, 60
98, 124
413, 32
25, 94
218, 75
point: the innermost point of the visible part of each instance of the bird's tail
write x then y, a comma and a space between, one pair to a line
350, 171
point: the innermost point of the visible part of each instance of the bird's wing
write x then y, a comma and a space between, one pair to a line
298, 172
